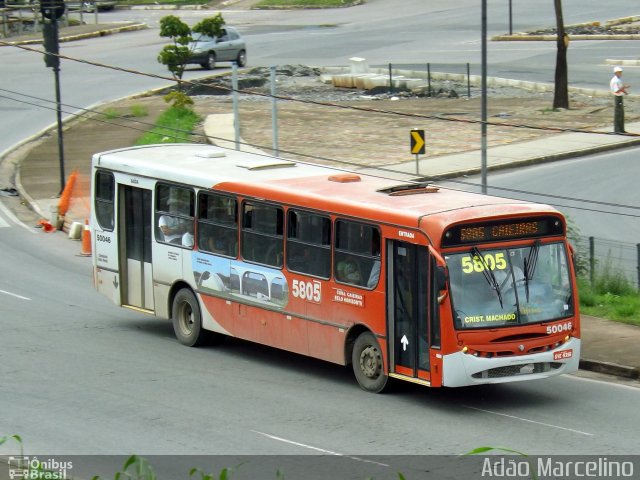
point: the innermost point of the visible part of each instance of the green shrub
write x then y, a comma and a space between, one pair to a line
111, 113
304, 3
587, 295
610, 280
625, 310
139, 111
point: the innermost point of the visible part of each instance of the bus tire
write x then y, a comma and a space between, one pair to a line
187, 319
367, 363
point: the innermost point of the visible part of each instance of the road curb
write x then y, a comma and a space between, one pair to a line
570, 154
627, 63
610, 368
104, 33
549, 38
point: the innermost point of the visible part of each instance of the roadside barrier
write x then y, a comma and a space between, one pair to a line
86, 240
46, 226
65, 196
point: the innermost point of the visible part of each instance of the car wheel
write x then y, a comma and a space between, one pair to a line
211, 61
241, 61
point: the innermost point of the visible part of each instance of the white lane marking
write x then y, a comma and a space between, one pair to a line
13, 218
14, 295
530, 421
634, 385
317, 449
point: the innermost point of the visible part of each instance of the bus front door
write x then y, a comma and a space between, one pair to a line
408, 303
135, 247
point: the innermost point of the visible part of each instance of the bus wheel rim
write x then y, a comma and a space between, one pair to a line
186, 319
371, 362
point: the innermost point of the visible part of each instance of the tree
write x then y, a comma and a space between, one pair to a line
561, 93
176, 55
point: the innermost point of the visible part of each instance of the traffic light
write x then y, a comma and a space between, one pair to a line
50, 37
52, 9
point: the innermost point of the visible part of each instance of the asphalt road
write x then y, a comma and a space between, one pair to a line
81, 376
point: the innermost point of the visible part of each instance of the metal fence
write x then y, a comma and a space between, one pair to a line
600, 256
431, 75
25, 18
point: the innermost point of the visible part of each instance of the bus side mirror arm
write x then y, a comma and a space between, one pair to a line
441, 277
440, 274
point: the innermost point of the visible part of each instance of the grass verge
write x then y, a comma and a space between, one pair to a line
163, 2
304, 3
174, 126
617, 301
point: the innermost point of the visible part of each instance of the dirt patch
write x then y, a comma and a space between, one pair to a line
376, 131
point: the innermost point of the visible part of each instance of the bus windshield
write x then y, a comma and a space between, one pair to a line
510, 286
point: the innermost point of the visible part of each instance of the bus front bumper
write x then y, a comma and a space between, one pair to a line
461, 369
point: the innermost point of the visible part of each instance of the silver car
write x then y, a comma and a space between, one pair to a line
228, 47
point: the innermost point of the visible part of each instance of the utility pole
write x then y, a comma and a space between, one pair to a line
483, 113
52, 10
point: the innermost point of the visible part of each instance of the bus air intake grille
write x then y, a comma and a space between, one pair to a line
517, 370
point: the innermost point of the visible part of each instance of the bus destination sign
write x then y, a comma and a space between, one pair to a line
503, 230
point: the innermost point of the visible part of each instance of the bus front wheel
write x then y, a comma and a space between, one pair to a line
367, 363
187, 319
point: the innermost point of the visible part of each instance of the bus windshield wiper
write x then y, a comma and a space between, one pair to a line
488, 274
530, 265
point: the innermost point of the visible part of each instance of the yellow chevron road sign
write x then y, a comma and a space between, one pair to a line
417, 142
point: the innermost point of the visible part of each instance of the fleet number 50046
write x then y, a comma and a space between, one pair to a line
563, 327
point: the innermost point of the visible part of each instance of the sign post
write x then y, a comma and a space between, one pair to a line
417, 146
53, 10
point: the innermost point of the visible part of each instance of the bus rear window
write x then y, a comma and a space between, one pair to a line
104, 185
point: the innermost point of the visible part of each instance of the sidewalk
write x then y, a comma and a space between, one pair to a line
608, 347
548, 149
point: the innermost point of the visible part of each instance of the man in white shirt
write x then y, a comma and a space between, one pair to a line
619, 90
171, 228
173, 225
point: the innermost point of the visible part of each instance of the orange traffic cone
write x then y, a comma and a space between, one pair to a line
46, 226
86, 240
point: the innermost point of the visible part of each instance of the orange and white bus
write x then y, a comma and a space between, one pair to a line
398, 279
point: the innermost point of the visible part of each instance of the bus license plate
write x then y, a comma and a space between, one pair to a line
562, 354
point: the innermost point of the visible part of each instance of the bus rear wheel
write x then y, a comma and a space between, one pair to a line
187, 319
368, 366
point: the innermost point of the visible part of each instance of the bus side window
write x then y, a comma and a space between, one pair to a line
262, 239
104, 199
309, 243
175, 208
357, 254
218, 224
